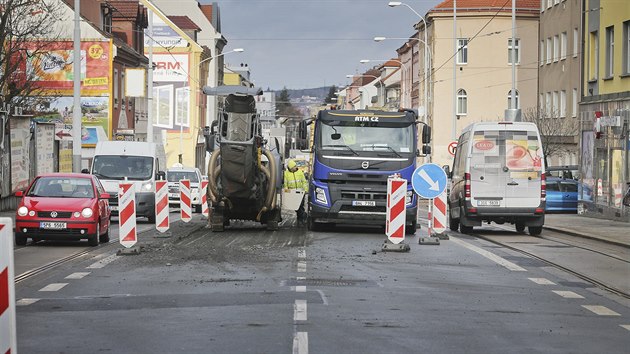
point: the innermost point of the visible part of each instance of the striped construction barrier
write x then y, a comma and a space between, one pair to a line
7, 289
128, 235
162, 222
204, 199
185, 200
395, 215
439, 213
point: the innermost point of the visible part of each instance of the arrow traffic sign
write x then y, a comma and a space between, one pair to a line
62, 134
429, 180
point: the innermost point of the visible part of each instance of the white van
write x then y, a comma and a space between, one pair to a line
138, 162
498, 176
177, 173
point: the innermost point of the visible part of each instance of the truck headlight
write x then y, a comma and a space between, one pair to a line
320, 196
147, 186
87, 212
22, 211
408, 197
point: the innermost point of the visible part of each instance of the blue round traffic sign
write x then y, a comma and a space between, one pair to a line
429, 180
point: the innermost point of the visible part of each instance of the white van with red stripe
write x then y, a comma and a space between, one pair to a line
498, 176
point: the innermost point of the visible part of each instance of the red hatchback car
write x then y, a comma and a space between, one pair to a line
63, 206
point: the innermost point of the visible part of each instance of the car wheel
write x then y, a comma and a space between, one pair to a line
93, 239
151, 219
465, 229
520, 227
104, 238
20, 239
535, 230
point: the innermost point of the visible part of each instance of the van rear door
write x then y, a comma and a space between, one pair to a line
522, 166
486, 175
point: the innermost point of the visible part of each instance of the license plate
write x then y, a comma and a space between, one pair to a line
52, 225
363, 203
488, 203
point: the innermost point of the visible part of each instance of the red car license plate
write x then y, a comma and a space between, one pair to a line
52, 225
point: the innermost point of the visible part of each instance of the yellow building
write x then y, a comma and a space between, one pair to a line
605, 107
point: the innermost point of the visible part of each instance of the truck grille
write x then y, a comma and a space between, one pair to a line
362, 209
364, 195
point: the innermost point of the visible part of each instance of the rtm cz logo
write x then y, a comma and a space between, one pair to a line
365, 119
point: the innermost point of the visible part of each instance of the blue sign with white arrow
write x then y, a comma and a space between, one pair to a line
429, 180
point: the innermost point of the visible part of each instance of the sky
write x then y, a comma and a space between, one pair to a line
313, 43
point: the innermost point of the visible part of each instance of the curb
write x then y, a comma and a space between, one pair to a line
577, 234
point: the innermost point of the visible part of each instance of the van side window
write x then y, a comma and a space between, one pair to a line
459, 165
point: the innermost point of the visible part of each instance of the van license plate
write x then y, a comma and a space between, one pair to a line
363, 203
488, 203
52, 225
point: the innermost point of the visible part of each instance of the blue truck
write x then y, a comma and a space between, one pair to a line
353, 153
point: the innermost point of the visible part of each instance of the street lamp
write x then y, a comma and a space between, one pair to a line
368, 75
426, 50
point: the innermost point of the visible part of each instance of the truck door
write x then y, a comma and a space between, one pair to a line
523, 166
486, 169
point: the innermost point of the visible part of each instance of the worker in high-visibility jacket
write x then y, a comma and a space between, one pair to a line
294, 178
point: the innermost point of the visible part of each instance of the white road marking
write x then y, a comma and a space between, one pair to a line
53, 287
323, 296
103, 262
568, 294
542, 281
600, 310
300, 343
491, 256
300, 289
626, 327
301, 267
78, 275
300, 278
26, 302
302, 253
299, 310
197, 239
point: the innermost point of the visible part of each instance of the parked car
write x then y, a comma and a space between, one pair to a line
177, 173
567, 172
63, 206
563, 194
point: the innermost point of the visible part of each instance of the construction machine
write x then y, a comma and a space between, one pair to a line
241, 184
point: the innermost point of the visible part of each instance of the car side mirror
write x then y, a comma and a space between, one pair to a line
19, 194
447, 170
104, 196
426, 149
160, 176
85, 170
426, 134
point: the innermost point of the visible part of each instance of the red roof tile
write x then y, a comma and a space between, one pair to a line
124, 8
207, 11
184, 22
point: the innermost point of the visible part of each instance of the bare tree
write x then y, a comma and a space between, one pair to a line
29, 29
558, 135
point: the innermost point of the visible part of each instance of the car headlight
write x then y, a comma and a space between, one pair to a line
408, 197
31, 213
320, 196
77, 214
87, 212
22, 211
147, 186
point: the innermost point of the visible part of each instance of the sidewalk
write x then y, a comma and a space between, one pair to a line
614, 232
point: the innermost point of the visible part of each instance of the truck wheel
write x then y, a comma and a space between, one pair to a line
311, 225
272, 225
453, 224
465, 229
535, 230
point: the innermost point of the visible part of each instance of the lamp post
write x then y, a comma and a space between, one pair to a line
365, 61
368, 75
426, 50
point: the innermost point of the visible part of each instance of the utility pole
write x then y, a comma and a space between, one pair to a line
76, 110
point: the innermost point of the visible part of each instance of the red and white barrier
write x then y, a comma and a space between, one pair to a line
395, 222
162, 222
204, 199
128, 235
7, 289
184, 200
439, 214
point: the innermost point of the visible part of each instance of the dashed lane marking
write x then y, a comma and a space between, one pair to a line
568, 294
26, 302
301, 267
491, 256
300, 289
300, 343
78, 275
103, 262
626, 327
302, 253
600, 310
542, 281
299, 310
53, 287
300, 278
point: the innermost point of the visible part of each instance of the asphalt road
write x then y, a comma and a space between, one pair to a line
248, 290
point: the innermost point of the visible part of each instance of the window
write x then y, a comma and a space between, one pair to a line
626, 48
122, 89
163, 106
556, 48
593, 60
516, 46
518, 104
542, 52
462, 53
563, 103
116, 88
574, 103
182, 102
576, 42
554, 104
462, 102
548, 103
563, 46
610, 50
549, 49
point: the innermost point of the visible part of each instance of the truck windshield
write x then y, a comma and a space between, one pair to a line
360, 137
138, 168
